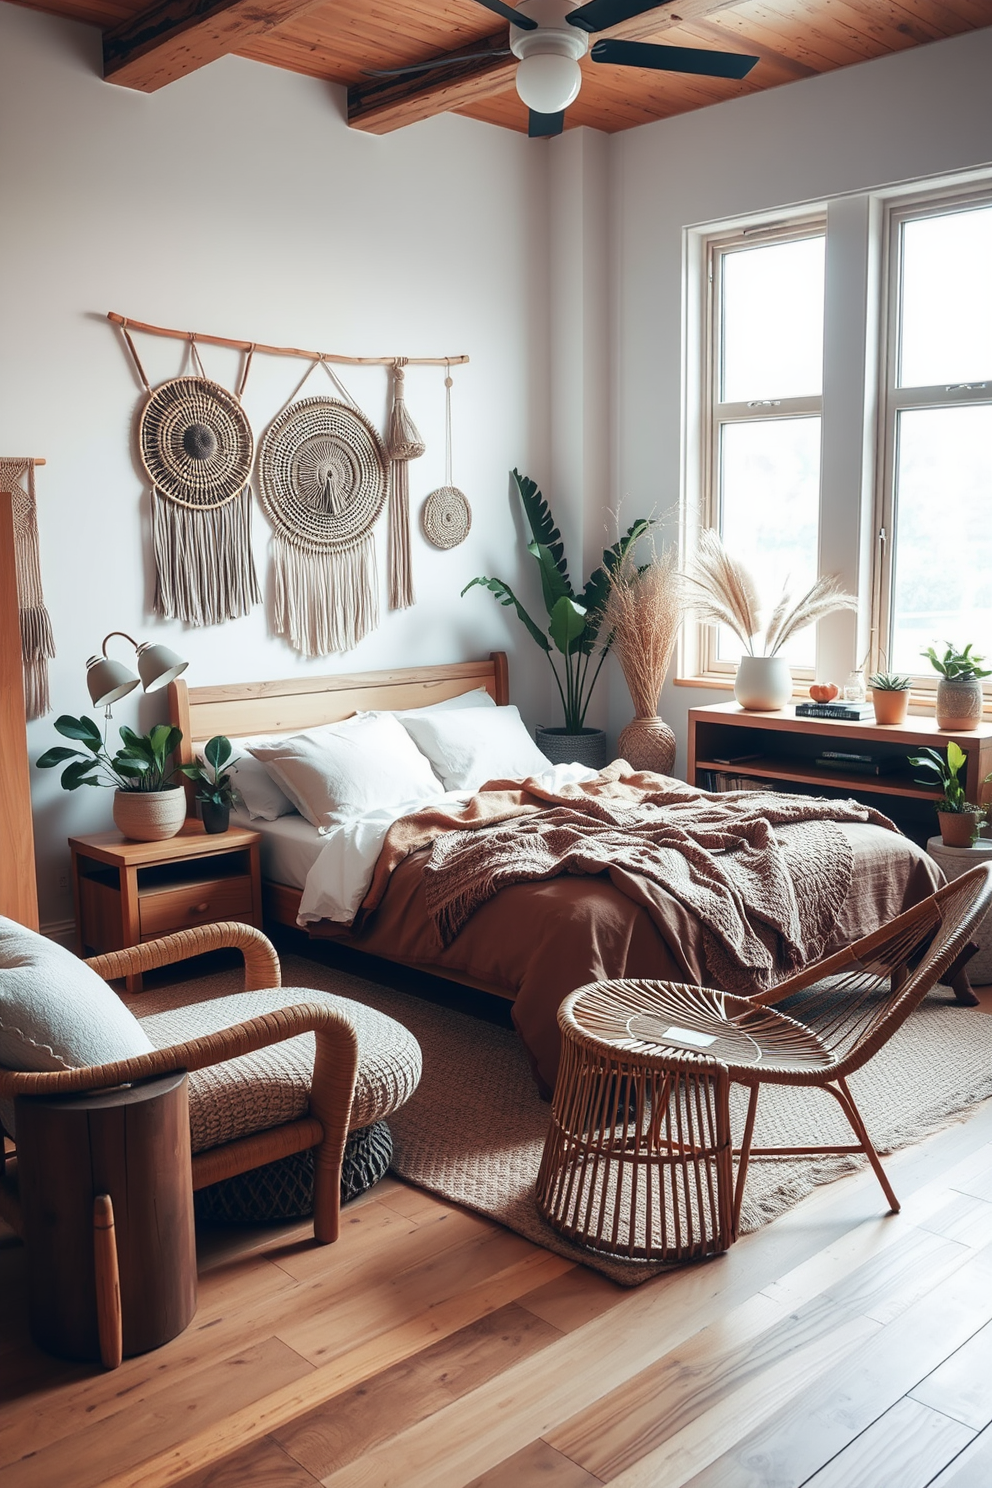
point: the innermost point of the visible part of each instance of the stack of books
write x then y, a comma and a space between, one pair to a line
846, 712
859, 762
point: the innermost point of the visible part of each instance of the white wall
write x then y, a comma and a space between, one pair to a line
923, 112
238, 201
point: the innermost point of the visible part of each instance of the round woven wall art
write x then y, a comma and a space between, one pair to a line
322, 475
446, 517
196, 443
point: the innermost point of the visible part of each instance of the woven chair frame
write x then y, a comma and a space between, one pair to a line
332, 1088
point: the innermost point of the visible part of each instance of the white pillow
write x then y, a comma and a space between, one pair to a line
343, 770
469, 746
55, 1012
477, 698
260, 793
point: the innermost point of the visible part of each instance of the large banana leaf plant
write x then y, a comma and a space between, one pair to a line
575, 620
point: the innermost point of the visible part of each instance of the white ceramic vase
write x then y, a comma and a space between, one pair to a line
150, 816
763, 683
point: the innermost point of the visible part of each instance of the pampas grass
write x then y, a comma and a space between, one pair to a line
723, 592
644, 611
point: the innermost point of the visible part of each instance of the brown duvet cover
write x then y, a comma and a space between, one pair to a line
539, 940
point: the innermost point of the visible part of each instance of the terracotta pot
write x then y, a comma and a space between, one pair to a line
763, 683
215, 818
959, 705
957, 828
648, 744
150, 816
587, 747
890, 706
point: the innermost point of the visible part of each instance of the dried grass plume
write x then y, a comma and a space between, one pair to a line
644, 611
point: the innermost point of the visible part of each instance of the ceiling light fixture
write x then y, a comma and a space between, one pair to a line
549, 77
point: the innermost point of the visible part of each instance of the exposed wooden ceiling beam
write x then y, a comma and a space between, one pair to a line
174, 37
385, 104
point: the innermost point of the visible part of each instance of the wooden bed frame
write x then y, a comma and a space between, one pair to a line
293, 703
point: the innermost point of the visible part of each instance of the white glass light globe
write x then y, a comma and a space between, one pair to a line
548, 83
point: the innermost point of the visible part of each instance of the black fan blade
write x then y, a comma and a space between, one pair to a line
542, 126
446, 61
598, 15
673, 59
509, 14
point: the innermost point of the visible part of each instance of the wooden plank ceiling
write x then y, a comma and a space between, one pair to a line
147, 46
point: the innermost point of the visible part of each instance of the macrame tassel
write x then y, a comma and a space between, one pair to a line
204, 568
37, 642
324, 602
403, 443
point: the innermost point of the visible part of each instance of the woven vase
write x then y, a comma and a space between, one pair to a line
150, 816
648, 744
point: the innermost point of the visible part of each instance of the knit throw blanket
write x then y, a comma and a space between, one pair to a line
766, 904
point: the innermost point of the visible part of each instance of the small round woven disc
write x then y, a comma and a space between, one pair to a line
446, 517
196, 443
322, 474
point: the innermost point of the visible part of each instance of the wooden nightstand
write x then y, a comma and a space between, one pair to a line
126, 892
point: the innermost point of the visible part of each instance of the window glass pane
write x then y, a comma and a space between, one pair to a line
947, 299
942, 582
773, 321
769, 500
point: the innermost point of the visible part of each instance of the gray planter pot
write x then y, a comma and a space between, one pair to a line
959, 705
585, 748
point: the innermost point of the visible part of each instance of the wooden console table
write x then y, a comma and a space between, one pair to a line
785, 750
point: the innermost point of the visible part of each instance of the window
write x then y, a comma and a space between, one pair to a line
766, 379
935, 582
867, 449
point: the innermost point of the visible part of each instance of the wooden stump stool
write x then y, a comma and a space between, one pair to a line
638, 1160
107, 1199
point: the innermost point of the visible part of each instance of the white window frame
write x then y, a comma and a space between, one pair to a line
715, 413
894, 399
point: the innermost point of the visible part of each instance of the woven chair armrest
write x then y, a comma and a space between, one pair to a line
262, 969
336, 1039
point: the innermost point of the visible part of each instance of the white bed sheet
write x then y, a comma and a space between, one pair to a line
289, 848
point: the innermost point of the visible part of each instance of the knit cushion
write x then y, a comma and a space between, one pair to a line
284, 1190
55, 1013
272, 1086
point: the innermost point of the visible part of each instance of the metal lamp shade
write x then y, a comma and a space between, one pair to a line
108, 680
157, 666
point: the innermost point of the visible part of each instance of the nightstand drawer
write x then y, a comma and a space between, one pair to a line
194, 904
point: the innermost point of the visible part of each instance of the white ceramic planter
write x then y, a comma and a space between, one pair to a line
150, 816
763, 683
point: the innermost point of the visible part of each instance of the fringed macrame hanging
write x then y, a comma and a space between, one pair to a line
446, 515
197, 447
322, 484
403, 443
37, 642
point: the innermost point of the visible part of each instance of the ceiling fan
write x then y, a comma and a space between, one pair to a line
550, 36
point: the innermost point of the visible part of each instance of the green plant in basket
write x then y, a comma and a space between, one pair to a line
142, 764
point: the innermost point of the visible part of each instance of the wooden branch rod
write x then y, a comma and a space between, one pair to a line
42, 461
286, 351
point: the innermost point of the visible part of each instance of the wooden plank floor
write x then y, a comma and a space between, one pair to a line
839, 1347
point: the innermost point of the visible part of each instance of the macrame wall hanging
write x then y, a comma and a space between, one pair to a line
37, 643
197, 448
403, 442
446, 516
322, 483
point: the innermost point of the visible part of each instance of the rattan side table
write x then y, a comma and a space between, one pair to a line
638, 1160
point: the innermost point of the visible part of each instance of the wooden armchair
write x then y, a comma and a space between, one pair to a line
324, 1128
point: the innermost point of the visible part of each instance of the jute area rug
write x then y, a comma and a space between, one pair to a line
474, 1131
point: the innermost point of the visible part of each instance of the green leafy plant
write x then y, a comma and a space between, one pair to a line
889, 682
210, 774
956, 666
947, 770
575, 621
141, 764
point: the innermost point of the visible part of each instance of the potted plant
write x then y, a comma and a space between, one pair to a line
149, 804
957, 816
216, 794
575, 625
723, 592
959, 691
889, 696
643, 614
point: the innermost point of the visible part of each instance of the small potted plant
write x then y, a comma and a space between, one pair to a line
216, 794
957, 816
959, 691
149, 803
889, 696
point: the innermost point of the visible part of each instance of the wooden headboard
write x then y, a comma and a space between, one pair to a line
294, 703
